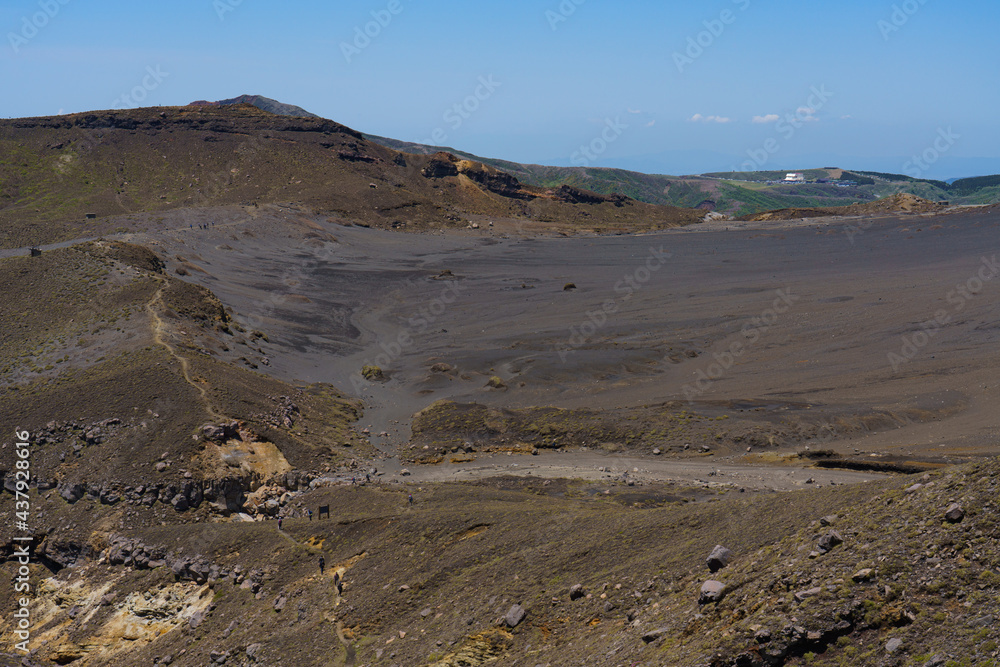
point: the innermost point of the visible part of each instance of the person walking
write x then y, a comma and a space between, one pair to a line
310, 512
411, 499
279, 522
322, 565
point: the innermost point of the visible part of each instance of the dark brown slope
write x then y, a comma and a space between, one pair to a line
55, 170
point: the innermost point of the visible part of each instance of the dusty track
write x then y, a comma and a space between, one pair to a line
158, 330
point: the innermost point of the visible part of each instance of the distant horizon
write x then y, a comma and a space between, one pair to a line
628, 164
657, 87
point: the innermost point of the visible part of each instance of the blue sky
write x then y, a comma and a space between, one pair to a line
666, 86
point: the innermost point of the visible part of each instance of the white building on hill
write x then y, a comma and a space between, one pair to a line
795, 178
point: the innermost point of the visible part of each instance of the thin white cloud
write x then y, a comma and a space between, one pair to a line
698, 118
769, 118
651, 123
806, 114
635, 110
847, 117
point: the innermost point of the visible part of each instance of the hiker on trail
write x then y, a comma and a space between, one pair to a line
353, 481
322, 564
411, 498
310, 514
368, 478
336, 578
279, 523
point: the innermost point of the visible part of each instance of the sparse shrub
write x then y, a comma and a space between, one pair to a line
372, 373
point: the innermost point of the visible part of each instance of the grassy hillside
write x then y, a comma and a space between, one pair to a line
115, 164
735, 193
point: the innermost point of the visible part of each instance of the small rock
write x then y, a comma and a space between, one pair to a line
653, 635
893, 645
280, 602
762, 636
719, 558
576, 592
806, 594
936, 661
828, 520
514, 616
404, 587
954, 513
656, 451
426, 612
862, 575
711, 591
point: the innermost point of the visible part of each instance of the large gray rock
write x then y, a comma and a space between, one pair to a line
180, 502
806, 594
71, 493
829, 541
954, 513
653, 635
213, 432
711, 591
514, 616
719, 558
576, 592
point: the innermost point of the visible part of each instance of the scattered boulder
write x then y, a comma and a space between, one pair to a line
829, 541
569, 286
719, 558
180, 502
893, 645
806, 594
213, 432
863, 574
72, 493
711, 591
576, 592
954, 513
496, 382
514, 616
653, 635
